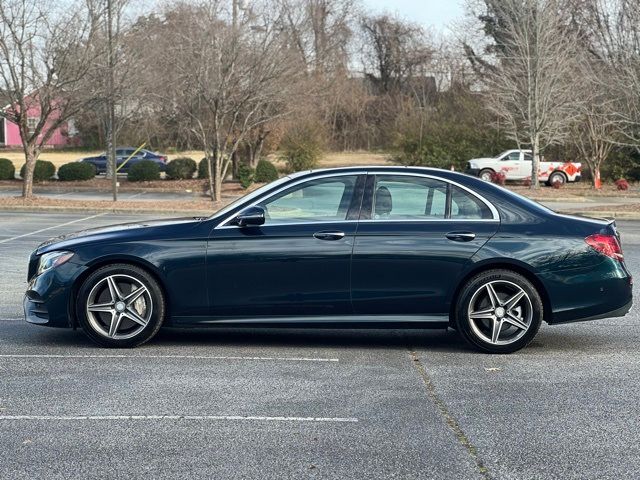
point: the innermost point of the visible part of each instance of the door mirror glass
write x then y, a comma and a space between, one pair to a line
250, 216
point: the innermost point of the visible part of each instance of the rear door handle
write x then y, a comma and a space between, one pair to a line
461, 236
329, 235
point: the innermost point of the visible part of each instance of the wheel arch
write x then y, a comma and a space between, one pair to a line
503, 264
109, 260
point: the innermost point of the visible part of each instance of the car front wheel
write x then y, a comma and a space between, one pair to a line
120, 305
486, 174
498, 311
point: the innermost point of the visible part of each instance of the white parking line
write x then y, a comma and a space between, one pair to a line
197, 357
49, 228
179, 417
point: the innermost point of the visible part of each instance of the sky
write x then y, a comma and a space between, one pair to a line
436, 14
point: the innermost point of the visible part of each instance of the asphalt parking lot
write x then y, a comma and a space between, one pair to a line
309, 403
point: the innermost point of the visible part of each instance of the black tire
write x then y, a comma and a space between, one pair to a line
557, 176
127, 332
506, 283
484, 173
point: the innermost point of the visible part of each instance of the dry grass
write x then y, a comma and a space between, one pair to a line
339, 159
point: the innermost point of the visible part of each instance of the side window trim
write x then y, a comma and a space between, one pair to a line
366, 210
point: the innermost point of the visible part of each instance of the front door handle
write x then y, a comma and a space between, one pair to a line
329, 235
461, 236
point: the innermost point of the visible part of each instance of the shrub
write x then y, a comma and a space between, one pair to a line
44, 171
301, 148
527, 182
76, 171
265, 172
144, 170
499, 178
7, 170
203, 168
181, 168
622, 184
245, 175
557, 184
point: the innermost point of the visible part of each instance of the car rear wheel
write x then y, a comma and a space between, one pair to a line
557, 177
498, 311
120, 305
486, 174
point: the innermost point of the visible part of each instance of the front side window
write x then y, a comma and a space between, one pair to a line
320, 200
408, 198
514, 156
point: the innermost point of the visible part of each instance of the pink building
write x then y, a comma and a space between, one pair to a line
63, 136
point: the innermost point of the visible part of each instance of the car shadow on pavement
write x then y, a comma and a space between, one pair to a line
443, 340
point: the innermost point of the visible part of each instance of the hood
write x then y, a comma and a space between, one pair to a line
112, 232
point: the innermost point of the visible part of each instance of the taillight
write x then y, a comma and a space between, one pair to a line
606, 244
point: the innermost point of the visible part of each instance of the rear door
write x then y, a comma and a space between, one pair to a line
415, 236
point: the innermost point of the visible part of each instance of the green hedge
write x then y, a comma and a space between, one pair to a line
70, 172
44, 171
7, 170
265, 172
144, 171
246, 175
203, 168
181, 168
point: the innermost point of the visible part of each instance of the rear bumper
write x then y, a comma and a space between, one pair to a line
601, 291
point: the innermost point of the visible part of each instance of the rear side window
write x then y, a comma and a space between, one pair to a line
467, 206
405, 197
408, 198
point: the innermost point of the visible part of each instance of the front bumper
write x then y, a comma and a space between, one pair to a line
48, 298
472, 171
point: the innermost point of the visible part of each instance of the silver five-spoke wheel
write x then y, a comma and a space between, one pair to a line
500, 312
119, 307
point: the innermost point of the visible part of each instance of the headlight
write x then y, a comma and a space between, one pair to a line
53, 259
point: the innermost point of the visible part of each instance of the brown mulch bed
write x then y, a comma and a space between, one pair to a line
200, 205
582, 189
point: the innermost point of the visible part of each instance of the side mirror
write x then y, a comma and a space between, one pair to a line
251, 216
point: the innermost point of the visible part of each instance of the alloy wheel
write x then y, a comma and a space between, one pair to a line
119, 306
500, 312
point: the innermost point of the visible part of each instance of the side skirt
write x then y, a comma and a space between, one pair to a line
338, 321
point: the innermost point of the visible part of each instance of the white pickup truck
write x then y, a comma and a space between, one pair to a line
516, 165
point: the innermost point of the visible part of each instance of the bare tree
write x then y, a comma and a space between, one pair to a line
612, 37
531, 87
394, 51
44, 63
229, 77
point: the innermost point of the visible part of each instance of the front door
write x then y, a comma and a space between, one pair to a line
298, 262
415, 237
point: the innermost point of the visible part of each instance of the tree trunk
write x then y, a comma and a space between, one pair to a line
31, 157
597, 184
535, 161
216, 193
210, 164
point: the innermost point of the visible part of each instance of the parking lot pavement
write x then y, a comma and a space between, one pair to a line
307, 403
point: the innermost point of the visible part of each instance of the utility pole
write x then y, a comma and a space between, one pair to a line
111, 120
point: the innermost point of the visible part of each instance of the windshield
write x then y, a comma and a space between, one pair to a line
245, 198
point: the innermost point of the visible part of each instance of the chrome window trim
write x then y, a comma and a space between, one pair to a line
494, 210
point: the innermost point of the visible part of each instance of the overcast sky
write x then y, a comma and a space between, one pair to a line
430, 13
